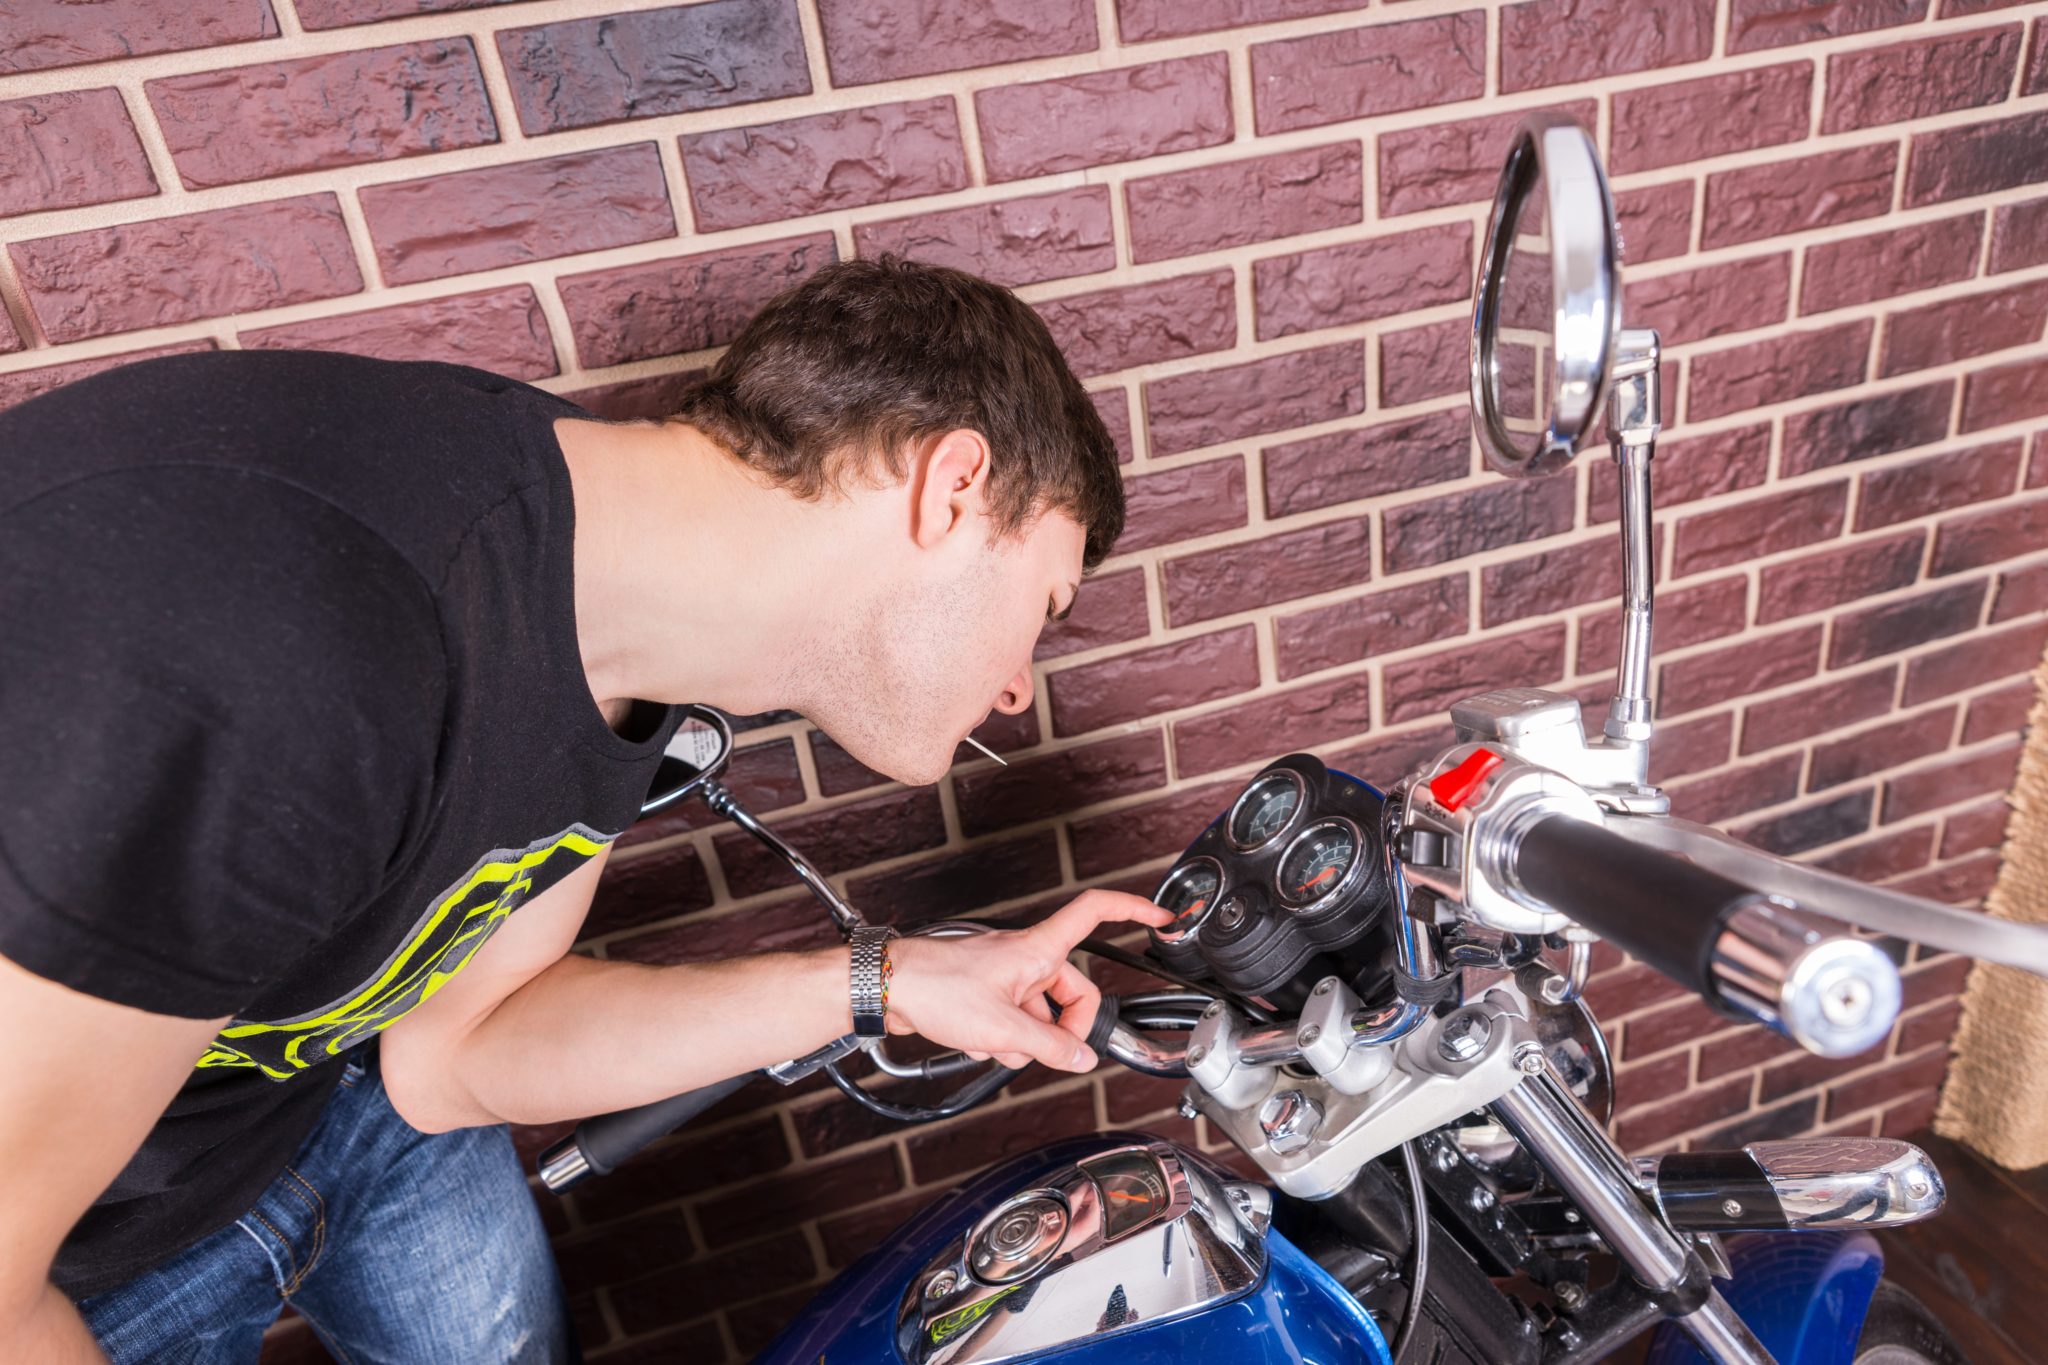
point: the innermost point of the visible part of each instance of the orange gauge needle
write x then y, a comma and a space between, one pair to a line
1196, 906
1124, 1198
1320, 877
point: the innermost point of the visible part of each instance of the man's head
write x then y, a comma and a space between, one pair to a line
941, 399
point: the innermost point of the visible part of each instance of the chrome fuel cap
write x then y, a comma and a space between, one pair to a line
1018, 1239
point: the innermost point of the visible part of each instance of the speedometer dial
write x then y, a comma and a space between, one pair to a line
1264, 810
1318, 862
1190, 891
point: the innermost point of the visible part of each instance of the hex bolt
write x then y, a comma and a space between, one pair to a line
1187, 1108
1196, 1055
1570, 1294
1464, 1036
1529, 1061
1481, 1198
1446, 1158
1307, 1037
1326, 985
1732, 1207
1213, 1010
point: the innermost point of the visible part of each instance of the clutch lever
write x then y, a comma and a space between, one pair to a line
1875, 908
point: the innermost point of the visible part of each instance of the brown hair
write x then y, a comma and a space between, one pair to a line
868, 357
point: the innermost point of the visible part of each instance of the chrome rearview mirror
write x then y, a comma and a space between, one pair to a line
697, 754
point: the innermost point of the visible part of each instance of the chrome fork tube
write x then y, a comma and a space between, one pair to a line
1550, 1124
1414, 949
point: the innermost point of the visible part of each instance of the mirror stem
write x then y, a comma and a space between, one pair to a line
1633, 420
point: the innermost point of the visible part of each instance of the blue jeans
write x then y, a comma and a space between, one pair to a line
399, 1248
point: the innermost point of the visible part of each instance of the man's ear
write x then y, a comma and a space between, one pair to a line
948, 485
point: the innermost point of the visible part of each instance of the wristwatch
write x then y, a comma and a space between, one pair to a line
871, 968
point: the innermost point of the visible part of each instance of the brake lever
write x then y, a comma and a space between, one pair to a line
1877, 909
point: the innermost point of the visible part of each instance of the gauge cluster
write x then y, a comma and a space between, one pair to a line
1287, 884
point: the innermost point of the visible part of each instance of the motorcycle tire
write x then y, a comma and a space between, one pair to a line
1900, 1331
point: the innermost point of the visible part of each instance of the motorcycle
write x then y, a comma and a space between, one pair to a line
1375, 994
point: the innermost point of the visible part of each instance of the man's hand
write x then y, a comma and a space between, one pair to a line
985, 995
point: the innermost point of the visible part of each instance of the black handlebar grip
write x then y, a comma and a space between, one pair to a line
599, 1144
1663, 910
1105, 1022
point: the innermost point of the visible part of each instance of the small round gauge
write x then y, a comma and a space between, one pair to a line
1264, 810
1189, 892
1318, 861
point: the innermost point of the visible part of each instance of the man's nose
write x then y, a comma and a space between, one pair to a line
1016, 697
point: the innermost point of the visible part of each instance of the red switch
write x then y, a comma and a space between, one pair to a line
1454, 788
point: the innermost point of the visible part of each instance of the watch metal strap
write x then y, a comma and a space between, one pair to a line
870, 1001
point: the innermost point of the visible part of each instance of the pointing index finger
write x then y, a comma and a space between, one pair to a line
1080, 916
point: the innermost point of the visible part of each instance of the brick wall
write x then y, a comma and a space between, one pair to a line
1252, 225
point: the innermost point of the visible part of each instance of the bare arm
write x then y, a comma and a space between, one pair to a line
63, 1141
526, 1033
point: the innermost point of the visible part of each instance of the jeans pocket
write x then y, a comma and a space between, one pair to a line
354, 1071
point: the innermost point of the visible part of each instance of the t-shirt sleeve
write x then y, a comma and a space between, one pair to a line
220, 703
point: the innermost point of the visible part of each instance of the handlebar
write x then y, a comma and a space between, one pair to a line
599, 1144
1755, 956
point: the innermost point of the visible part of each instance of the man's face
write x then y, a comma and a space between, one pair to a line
940, 651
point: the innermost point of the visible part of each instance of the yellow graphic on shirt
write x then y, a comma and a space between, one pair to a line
449, 934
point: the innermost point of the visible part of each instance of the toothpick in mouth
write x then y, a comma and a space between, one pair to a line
990, 752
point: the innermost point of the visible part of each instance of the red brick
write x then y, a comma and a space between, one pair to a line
1878, 85
1210, 208
1813, 826
1897, 1078
944, 1152
1188, 411
2007, 532
753, 1325
1299, 718
1378, 623
2019, 234
1487, 517
1774, 23
1389, 758
820, 162
683, 303
2001, 711
1888, 855
1938, 484
1053, 784
1145, 682
2035, 79
2022, 592
1636, 1087
1974, 827
712, 1281
1100, 117
885, 40
1691, 468
629, 400
1687, 616
1978, 158
1759, 527
1347, 466
1952, 781
1880, 265
1930, 1027
197, 265
1958, 329
1712, 300
1803, 1071
18, 386
1549, 581
1138, 834
1139, 20
338, 109
1626, 989
1360, 281
41, 36
1678, 121
1655, 221
1363, 72
1741, 1051
1454, 163
1559, 42
1136, 324
1867, 426
449, 224
622, 1250
837, 840
1756, 665
1832, 705
1989, 656
667, 61
501, 330
1957, 9
1429, 685
1778, 369
1735, 791
1965, 882
1697, 1107
1114, 407
2004, 393
69, 148
1826, 190
1012, 241
1182, 503
691, 1163
1694, 746
659, 885
1909, 621
850, 1236
791, 924
944, 888
1425, 362
1233, 578
1885, 746
322, 14
1107, 611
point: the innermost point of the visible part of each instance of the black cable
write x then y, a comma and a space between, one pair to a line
1418, 1269
1111, 953
959, 1102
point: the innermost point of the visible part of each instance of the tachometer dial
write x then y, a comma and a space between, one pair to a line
1190, 892
1264, 810
1317, 862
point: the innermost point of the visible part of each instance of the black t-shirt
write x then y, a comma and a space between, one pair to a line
292, 714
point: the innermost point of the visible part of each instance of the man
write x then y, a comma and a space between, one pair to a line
326, 684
